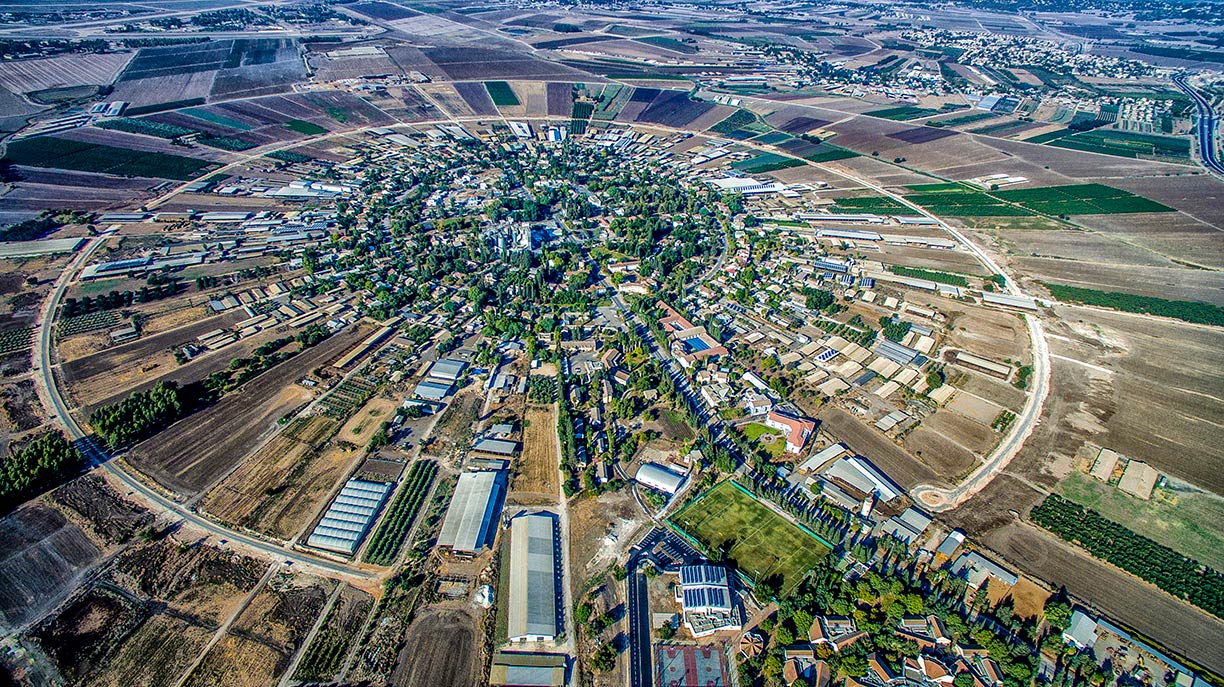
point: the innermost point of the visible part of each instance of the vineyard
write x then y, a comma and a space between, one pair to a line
90, 322
389, 537
323, 657
15, 340
1134, 553
347, 398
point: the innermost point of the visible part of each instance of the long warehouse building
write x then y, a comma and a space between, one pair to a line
471, 519
533, 578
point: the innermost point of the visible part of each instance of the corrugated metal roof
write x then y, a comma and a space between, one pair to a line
533, 577
470, 519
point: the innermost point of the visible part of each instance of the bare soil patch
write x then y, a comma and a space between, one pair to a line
198, 450
943, 455
907, 470
600, 528
439, 651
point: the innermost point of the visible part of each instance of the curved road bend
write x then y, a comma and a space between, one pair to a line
42, 355
1206, 126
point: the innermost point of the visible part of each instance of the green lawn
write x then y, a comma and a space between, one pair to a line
759, 541
773, 442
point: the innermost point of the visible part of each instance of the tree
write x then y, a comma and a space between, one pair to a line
1058, 615
963, 680
604, 658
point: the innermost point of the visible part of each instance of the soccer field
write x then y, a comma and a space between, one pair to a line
761, 542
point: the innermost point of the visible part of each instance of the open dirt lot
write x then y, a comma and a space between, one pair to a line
907, 470
440, 650
600, 528
945, 456
236, 661
366, 422
114, 371
198, 450
42, 558
535, 479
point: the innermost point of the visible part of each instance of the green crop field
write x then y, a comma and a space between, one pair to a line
760, 542
62, 153
214, 118
868, 204
1189, 311
501, 93
1126, 144
766, 162
734, 121
669, 44
304, 127
1081, 199
903, 113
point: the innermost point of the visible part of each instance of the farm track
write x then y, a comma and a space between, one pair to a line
225, 626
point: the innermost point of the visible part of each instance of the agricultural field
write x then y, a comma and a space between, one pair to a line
668, 43
477, 97
865, 440
62, 153
1125, 144
536, 472
903, 113
367, 421
264, 637
762, 543
45, 556
272, 474
766, 162
1186, 520
14, 340
670, 108
441, 650
64, 71
325, 655
502, 94
193, 453
388, 539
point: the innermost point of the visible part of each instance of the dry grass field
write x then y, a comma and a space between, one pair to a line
196, 451
366, 422
948, 458
600, 528
236, 661
147, 659
271, 473
536, 476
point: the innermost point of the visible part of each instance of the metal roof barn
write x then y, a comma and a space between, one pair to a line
471, 519
533, 578
660, 478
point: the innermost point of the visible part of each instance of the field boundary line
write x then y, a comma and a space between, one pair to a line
225, 626
314, 630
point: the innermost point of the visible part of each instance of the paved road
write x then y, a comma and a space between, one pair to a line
1206, 126
54, 401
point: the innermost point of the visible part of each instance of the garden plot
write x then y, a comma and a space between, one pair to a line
325, 655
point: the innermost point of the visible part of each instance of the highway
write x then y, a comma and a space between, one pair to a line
1206, 126
54, 401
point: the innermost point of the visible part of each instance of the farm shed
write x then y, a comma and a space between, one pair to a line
1138, 479
538, 670
976, 362
1022, 302
975, 568
447, 369
857, 472
471, 519
659, 478
499, 447
33, 249
533, 578
349, 517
